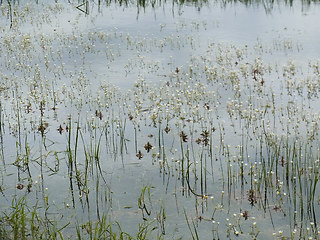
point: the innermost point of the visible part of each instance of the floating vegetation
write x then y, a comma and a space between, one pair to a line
113, 131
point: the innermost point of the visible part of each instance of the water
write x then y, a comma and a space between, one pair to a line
226, 95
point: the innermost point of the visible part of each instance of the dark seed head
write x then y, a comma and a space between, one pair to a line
148, 147
60, 129
167, 129
20, 186
139, 154
184, 137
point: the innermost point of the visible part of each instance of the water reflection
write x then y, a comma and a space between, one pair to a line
268, 4
177, 6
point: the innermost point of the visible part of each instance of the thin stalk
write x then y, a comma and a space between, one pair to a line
182, 166
1, 139
70, 163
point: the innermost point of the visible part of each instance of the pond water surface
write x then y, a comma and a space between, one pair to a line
159, 119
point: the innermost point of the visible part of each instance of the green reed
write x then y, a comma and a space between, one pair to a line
193, 232
70, 160
144, 201
1, 136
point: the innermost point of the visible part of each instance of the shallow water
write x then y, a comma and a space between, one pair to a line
226, 94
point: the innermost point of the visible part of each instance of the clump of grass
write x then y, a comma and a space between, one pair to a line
25, 222
104, 229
